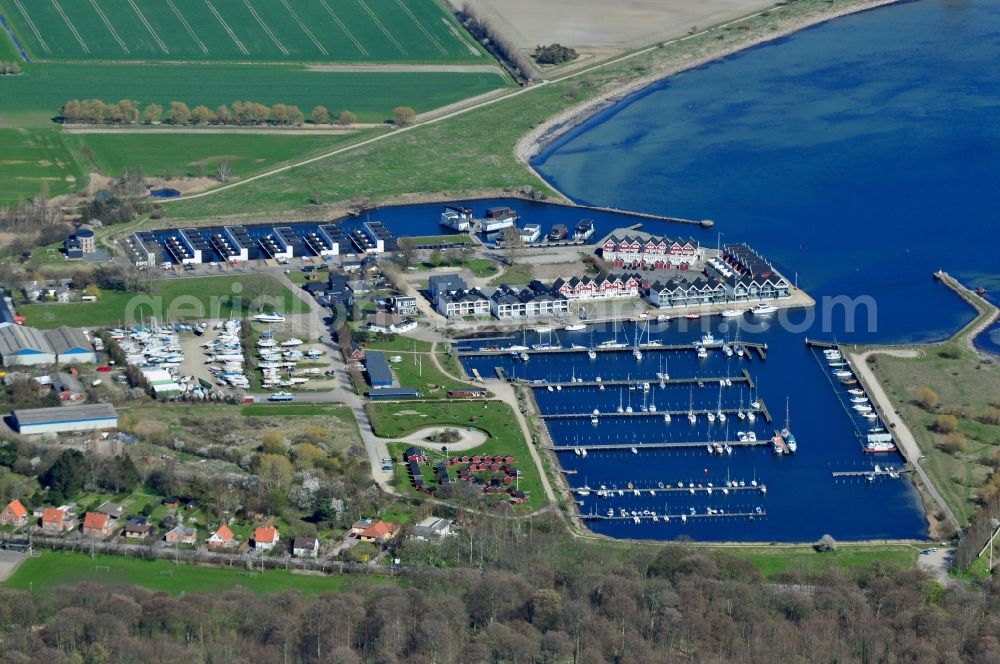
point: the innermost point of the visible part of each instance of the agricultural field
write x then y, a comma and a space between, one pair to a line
169, 155
240, 30
33, 159
178, 298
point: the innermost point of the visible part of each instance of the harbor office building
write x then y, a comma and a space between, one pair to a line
634, 250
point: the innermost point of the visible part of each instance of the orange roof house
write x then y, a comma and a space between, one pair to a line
379, 532
14, 514
222, 538
265, 538
54, 518
97, 524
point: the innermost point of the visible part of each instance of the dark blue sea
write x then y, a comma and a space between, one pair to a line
860, 156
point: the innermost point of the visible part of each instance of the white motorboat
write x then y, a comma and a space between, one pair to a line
269, 317
575, 327
764, 309
731, 313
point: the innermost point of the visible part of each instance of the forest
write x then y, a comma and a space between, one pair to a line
526, 594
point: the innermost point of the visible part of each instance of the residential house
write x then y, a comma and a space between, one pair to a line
305, 547
137, 528
222, 538
96, 524
461, 303
67, 386
181, 535
532, 301
432, 528
444, 283
606, 287
360, 526
683, 293
266, 538
379, 532
642, 251
57, 519
404, 305
14, 514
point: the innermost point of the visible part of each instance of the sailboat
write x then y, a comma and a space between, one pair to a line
786, 433
722, 416
692, 418
628, 408
621, 408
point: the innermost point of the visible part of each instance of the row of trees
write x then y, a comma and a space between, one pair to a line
128, 112
10, 68
496, 42
665, 605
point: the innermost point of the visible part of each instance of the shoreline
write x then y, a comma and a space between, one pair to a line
545, 134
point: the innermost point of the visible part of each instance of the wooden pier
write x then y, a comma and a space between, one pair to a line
666, 518
759, 348
659, 413
656, 491
638, 384
617, 447
881, 472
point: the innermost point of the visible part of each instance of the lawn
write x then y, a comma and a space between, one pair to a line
311, 30
297, 410
493, 417
773, 562
168, 154
480, 267
398, 343
51, 569
418, 371
441, 239
173, 299
32, 159
514, 275
965, 385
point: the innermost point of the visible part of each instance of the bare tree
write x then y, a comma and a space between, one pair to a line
406, 251
224, 171
511, 244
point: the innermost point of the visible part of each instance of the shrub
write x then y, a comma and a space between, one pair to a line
554, 54
946, 424
928, 398
953, 443
825, 544
404, 115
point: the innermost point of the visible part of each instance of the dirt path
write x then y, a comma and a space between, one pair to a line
332, 130
408, 68
9, 562
911, 450
467, 439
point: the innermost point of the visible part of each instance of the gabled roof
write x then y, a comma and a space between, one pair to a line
380, 529
65, 339
304, 543
95, 521
267, 534
17, 509
223, 533
53, 515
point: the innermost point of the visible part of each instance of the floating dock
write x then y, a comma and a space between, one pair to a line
666, 518
639, 384
759, 348
656, 491
657, 413
613, 447
881, 472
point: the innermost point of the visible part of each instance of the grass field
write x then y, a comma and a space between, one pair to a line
773, 562
51, 569
172, 299
247, 30
493, 417
167, 154
33, 158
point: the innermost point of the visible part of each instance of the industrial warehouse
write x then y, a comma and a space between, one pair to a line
67, 419
22, 345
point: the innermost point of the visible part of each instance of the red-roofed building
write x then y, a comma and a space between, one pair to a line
222, 538
14, 514
97, 524
56, 519
265, 539
379, 532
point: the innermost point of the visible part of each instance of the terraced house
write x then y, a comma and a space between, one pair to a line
536, 300
642, 251
601, 287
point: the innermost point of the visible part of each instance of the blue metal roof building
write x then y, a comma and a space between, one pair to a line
379, 373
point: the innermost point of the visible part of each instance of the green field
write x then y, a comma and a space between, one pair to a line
168, 154
494, 417
774, 562
33, 158
36, 96
51, 569
251, 30
172, 299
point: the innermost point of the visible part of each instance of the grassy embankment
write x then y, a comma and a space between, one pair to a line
473, 152
172, 299
493, 417
967, 386
51, 569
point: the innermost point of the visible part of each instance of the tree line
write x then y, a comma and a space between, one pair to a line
129, 112
672, 603
10, 68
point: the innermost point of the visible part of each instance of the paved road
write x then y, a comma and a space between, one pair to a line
911, 450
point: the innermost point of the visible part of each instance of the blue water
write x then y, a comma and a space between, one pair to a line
859, 155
